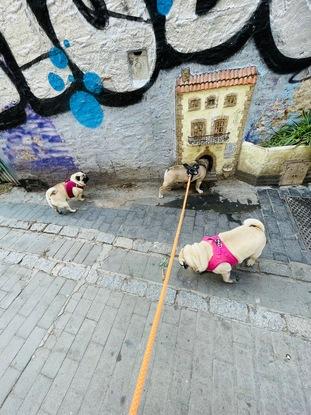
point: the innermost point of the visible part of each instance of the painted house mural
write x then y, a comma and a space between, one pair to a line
211, 111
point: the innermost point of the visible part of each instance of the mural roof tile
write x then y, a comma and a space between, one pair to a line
218, 79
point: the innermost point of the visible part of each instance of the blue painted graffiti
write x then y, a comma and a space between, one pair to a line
58, 58
56, 81
66, 43
84, 106
93, 82
164, 6
86, 109
36, 146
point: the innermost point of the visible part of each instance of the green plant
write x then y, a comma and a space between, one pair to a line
296, 133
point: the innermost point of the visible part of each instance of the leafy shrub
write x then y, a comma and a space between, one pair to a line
296, 133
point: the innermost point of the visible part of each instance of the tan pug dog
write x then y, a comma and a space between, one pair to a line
58, 195
220, 252
179, 174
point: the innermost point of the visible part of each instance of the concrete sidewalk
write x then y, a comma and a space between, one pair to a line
78, 293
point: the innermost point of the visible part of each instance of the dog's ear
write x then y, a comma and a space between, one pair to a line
86, 179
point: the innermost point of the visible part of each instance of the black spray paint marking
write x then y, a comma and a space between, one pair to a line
98, 15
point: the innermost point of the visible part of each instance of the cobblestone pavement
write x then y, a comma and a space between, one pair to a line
78, 294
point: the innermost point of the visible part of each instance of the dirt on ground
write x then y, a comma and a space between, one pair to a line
5, 187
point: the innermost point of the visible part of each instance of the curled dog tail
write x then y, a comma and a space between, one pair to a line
48, 194
254, 222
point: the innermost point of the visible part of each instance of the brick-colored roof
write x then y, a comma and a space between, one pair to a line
210, 80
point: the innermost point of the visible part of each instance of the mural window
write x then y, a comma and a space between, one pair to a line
194, 104
211, 102
220, 126
230, 100
198, 128
139, 66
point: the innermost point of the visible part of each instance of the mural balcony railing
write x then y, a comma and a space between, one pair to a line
208, 139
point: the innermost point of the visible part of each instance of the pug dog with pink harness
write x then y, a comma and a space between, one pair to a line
219, 253
59, 195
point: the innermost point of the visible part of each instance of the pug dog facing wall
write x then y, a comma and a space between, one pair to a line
179, 174
219, 253
58, 195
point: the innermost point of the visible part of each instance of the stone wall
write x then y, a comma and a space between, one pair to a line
93, 88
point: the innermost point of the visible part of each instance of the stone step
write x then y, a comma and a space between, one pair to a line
158, 224
271, 284
255, 299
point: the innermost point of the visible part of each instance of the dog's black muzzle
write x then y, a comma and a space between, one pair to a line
185, 265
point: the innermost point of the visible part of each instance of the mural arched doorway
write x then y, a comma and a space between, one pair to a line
208, 155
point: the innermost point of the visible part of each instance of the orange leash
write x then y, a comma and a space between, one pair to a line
141, 379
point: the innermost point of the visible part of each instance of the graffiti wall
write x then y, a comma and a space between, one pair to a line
91, 83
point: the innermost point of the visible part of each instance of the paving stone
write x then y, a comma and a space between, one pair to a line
154, 290
28, 349
28, 376
55, 229
73, 272
22, 224
30, 260
14, 258
274, 267
267, 319
104, 237
11, 405
98, 305
81, 380
82, 340
6, 383
46, 265
191, 300
38, 227
58, 354
59, 386
122, 242
142, 245
142, 307
9, 353
93, 255
299, 326
133, 286
3, 254
35, 396
161, 248
111, 281
88, 234
228, 308
69, 231
301, 271
134, 264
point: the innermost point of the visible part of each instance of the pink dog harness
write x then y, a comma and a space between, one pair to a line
220, 253
69, 185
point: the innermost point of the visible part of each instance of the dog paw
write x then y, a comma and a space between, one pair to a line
250, 262
200, 191
161, 196
82, 198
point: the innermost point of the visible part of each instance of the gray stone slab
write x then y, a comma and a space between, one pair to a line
35, 396
7, 382
60, 386
51, 228
228, 308
25, 353
70, 231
